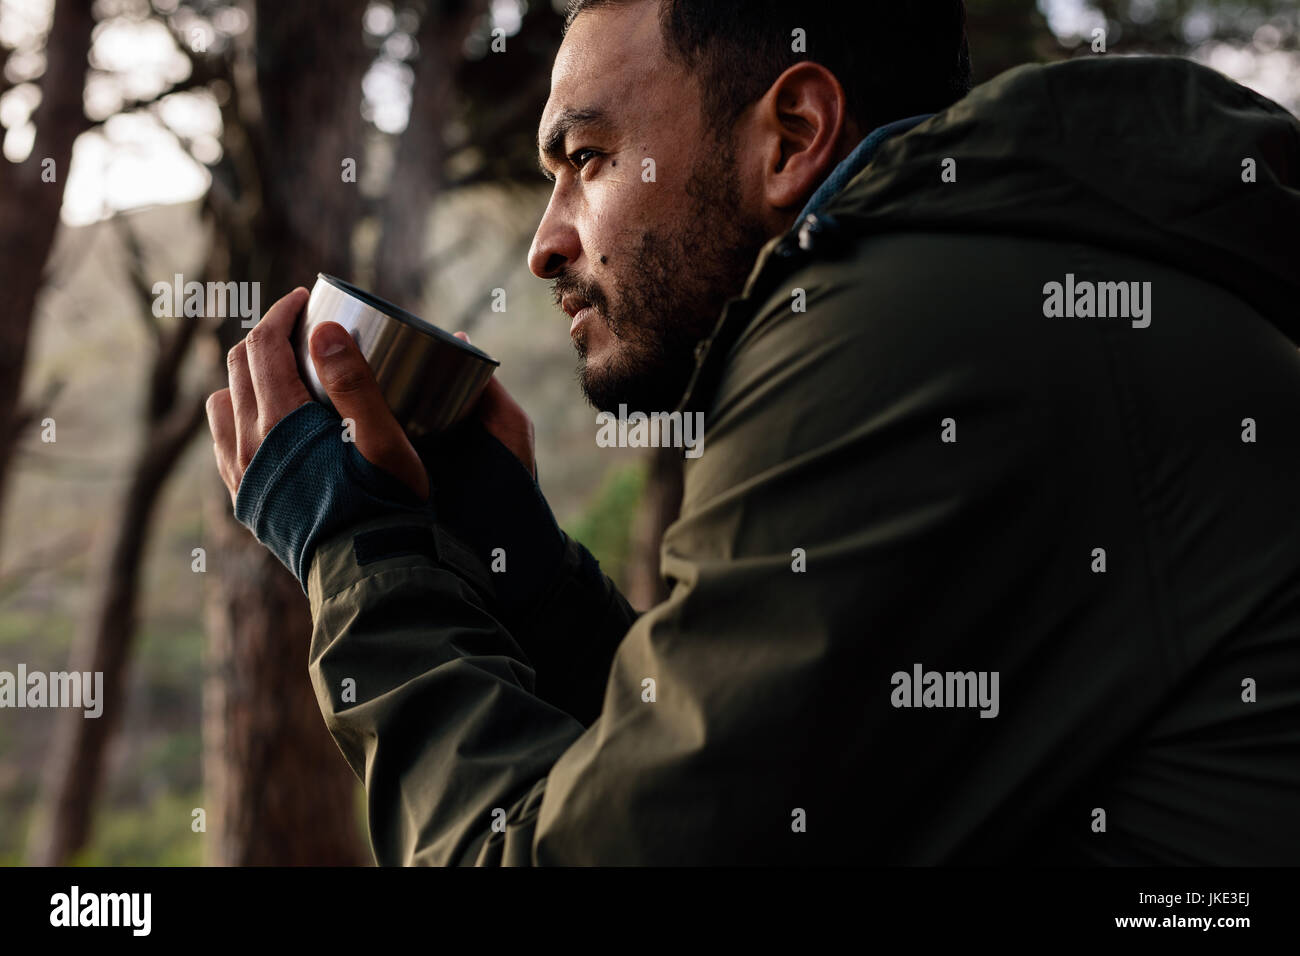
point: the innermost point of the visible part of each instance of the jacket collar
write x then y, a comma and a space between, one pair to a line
856, 161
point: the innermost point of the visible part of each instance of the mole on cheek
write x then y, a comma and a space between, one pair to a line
603, 260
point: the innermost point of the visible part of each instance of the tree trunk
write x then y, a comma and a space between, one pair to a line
1005, 33
310, 60
279, 790
29, 206
401, 256
75, 769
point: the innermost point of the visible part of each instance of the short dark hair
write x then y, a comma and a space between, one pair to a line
894, 58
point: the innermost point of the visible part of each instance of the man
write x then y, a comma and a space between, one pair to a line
991, 554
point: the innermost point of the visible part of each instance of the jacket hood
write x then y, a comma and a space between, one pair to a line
1141, 154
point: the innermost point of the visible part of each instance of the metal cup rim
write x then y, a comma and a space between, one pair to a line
401, 315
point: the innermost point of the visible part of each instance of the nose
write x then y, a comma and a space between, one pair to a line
556, 244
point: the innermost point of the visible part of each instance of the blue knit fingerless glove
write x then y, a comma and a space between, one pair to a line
305, 483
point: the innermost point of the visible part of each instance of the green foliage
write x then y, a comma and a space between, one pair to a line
158, 834
33, 634
170, 655
606, 526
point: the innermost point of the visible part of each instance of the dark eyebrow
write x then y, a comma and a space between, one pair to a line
551, 142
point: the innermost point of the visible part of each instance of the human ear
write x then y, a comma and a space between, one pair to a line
802, 120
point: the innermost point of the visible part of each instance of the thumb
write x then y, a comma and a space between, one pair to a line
351, 386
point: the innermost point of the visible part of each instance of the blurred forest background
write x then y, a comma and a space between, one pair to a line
209, 139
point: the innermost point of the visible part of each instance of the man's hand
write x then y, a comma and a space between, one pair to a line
265, 387
506, 421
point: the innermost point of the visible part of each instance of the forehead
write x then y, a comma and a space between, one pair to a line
612, 61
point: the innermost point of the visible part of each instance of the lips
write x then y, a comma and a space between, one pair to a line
578, 319
572, 305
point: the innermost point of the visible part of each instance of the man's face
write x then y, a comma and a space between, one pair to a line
647, 233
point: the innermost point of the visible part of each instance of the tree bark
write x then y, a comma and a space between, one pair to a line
29, 206
170, 420
1005, 33
310, 59
279, 791
75, 770
402, 251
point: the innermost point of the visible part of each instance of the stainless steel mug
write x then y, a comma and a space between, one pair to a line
429, 378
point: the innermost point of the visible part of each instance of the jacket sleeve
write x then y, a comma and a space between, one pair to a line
830, 539
571, 633
546, 588
704, 728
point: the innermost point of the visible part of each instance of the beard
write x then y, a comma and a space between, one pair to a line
670, 293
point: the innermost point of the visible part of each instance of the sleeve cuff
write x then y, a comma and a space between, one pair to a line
306, 482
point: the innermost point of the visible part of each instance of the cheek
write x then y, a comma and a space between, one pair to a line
620, 211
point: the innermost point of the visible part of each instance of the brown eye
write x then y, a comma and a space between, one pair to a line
581, 157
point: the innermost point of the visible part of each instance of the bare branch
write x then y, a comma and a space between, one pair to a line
518, 112
483, 174
175, 431
165, 376
138, 280
50, 557
5, 85
193, 82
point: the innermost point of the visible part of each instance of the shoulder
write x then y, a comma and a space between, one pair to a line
882, 336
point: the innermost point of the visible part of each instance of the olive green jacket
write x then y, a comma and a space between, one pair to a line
923, 469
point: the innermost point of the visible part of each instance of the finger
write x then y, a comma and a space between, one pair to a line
244, 402
221, 422
506, 420
495, 403
221, 418
277, 382
351, 386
